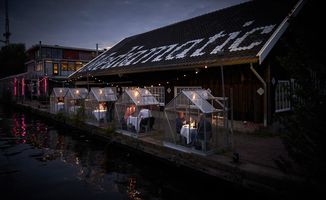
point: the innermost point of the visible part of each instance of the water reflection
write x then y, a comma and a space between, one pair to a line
87, 161
49, 157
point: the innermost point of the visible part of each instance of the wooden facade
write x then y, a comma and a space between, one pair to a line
239, 39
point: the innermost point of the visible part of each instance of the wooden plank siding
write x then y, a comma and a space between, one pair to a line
248, 104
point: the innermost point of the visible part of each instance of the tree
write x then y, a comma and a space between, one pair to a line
12, 59
305, 128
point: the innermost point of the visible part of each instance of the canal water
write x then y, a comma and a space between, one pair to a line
43, 160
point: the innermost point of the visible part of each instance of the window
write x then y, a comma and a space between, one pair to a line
70, 54
57, 53
158, 93
85, 55
282, 96
71, 66
79, 65
39, 67
55, 69
43, 51
46, 52
64, 67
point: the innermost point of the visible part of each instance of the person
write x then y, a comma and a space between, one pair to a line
102, 106
204, 131
144, 113
129, 111
180, 121
60, 100
109, 111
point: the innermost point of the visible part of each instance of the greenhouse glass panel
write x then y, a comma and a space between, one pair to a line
99, 105
74, 101
57, 100
191, 123
137, 112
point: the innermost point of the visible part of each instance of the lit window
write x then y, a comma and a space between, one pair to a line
79, 65
39, 67
64, 67
55, 69
71, 66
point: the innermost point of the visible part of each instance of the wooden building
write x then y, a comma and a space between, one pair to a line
231, 47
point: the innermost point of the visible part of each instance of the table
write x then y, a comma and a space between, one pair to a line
187, 132
60, 106
134, 121
99, 114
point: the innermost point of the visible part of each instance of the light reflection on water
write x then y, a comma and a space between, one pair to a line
43, 160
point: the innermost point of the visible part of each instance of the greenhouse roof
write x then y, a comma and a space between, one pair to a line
78, 93
141, 97
204, 93
104, 94
200, 102
59, 92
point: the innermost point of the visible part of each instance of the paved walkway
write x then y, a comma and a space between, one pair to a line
261, 150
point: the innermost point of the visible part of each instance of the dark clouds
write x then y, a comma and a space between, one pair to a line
83, 23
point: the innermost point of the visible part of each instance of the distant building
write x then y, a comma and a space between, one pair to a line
57, 61
47, 66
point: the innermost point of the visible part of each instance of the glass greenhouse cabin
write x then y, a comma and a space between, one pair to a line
193, 122
57, 100
137, 111
99, 105
74, 100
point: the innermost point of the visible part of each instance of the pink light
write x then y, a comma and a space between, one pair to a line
15, 87
45, 84
23, 126
23, 86
38, 87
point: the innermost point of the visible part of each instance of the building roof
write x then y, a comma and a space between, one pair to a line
37, 46
240, 34
21, 75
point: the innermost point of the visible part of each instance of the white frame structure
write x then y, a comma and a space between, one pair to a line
99, 105
57, 100
197, 104
74, 100
128, 108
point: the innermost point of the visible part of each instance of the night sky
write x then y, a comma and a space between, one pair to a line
83, 23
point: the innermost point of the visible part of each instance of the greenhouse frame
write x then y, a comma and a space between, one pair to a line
57, 100
137, 112
74, 100
99, 105
195, 122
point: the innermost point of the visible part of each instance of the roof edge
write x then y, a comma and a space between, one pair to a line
262, 54
77, 71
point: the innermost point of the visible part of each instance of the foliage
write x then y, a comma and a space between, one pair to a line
304, 129
79, 117
60, 116
110, 129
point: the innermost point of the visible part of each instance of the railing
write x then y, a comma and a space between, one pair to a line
282, 96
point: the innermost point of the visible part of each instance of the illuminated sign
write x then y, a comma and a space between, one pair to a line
221, 42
